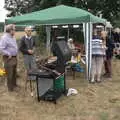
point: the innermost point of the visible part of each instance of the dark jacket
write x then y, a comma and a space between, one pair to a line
110, 46
26, 44
116, 37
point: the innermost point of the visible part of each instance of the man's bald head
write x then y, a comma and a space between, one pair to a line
28, 30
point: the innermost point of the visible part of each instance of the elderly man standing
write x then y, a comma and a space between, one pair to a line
27, 45
9, 49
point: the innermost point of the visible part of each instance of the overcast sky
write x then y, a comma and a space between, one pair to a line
2, 2
3, 12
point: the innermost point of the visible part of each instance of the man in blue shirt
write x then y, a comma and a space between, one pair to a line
9, 50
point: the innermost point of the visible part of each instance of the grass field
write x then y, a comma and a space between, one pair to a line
93, 102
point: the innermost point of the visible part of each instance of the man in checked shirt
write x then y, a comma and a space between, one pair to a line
9, 50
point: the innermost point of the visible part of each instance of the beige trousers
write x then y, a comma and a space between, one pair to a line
97, 64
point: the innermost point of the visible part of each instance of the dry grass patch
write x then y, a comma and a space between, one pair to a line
93, 102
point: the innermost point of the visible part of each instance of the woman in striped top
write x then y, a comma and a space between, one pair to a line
98, 53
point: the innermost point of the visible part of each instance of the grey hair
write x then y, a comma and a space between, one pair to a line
28, 28
9, 27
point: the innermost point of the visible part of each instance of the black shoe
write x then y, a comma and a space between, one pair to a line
17, 86
105, 74
98, 81
17, 89
92, 82
10, 89
18, 76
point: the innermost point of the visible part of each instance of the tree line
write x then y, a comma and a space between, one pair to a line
108, 9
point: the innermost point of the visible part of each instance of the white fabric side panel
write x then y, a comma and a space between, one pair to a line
89, 50
87, 29
68, 33
84, 24
48, 32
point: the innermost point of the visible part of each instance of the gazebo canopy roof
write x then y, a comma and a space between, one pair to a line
56, 16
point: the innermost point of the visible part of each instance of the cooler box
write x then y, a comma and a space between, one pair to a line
59, 83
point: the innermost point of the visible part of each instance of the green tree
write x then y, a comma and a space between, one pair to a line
109, 9
18, 7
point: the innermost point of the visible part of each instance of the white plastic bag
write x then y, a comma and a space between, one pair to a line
72, 91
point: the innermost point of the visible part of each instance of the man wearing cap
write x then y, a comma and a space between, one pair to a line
9, 50
27, 45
